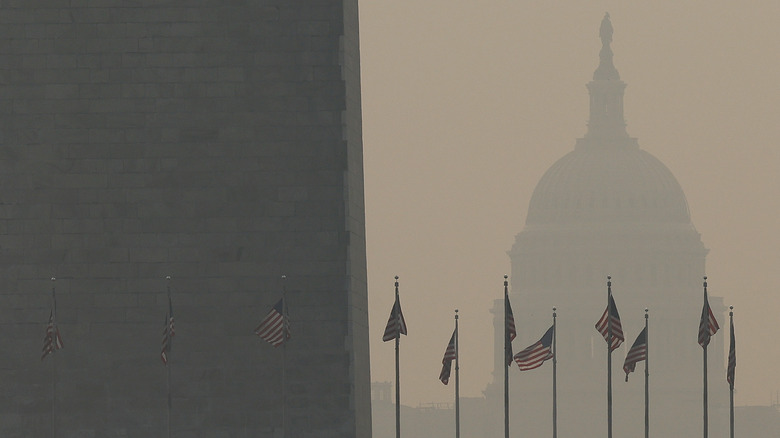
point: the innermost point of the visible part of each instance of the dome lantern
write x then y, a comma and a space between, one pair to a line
606, 92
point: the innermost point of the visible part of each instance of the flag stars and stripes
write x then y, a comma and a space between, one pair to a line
732, 363
708, 325
609, 324
169, 331
396, 324
637, 353
450, 354
52, 341
510, 331
537, 353
275, 327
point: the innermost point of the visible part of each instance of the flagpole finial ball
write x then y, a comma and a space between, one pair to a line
505, 276
646, 309
53, 279
284, 277
731, 307
167, 277
396, 277
705, 277
609, 277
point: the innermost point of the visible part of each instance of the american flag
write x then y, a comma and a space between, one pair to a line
169, 331
52, 340
638, 352
510, 332
732, 366
275, 328
535, 355
396, 325
449, 355
604, 325
708, 326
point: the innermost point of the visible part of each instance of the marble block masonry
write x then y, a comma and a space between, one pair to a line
215, 142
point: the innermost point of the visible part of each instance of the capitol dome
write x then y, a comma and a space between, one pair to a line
607, 207
607, 178
607, 219
594, 184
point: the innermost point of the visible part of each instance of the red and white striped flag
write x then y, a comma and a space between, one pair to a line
169, 332
396, 325
638, 352
732, 366
610, 322
510, 332
708, 325
450, 354
275, 328
52, 340
534, 355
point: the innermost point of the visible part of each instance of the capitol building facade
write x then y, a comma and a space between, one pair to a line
609, 208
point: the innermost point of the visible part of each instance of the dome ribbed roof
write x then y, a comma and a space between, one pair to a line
608, 184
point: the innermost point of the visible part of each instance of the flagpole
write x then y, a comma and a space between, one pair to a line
609, 358
704, 372
555, 377
397, 366
647, 377
284, 357
731, 384
168, 361
457, 379
506, 357
54, 362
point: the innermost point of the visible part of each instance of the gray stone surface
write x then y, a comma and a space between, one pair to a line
218, 142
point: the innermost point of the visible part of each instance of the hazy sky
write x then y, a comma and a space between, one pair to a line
467, 104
